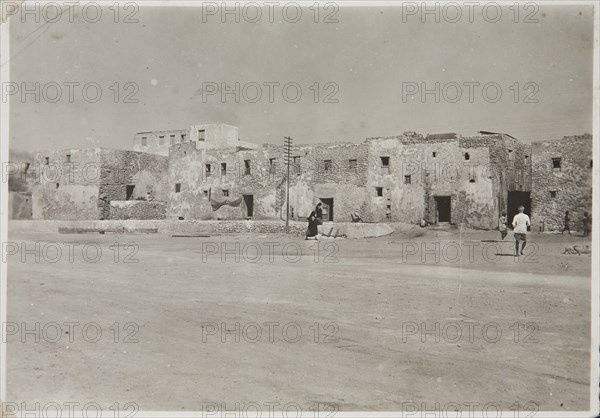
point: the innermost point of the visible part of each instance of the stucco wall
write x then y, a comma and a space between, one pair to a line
67, 190
572, 182
20, 205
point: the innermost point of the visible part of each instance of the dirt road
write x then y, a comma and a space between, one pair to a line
351, 325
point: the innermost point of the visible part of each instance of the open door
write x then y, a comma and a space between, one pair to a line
249, 204
327, 209
443, 209
514, 200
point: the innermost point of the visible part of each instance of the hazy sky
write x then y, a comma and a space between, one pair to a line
369, 55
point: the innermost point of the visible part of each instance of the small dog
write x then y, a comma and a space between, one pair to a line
577, 249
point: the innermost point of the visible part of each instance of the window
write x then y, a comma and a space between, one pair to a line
183, 136
297, 165
205, 193
407, 179
225, 192
57, 185
472, 181
591, 163
144, 141
177, 187
553, 193
385, 165
172, 139
379, 191
352, 166
467, 156
247, 167
271, 165
47, 160
327, 166
161, 140
223, 169
68, 158
207, 170
433, 154
526, 159
556, 163
201, 136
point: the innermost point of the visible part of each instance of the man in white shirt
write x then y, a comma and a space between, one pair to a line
520, 223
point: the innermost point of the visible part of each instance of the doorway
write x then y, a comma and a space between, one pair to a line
249, 203
443, 209
129, 192
327, 209
514, 200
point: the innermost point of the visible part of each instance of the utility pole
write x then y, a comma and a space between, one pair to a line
288, 151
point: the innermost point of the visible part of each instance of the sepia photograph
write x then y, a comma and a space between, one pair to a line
319, 209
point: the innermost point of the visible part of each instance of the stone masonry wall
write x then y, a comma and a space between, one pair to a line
137, 209
571, 183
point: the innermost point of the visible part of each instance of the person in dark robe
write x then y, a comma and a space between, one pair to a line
319, 213
313, 230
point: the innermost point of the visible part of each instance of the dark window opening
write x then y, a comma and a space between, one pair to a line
144, 141
183, 137
297, 165
223, 169
407, 179
385, 165
201, 133
271, 165
591, 163
556, 163
467, 156
352, 166
68, 158
247, 167
47, 160
472, 181
205, 193
207, 170
433, 154
177, 187
327, 165
249, 203
57, 185
181, 218
129, 191
553, 193
225, 192
379, 191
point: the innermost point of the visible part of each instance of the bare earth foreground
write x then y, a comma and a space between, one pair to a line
368, 339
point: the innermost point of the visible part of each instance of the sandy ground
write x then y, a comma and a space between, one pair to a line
513, 333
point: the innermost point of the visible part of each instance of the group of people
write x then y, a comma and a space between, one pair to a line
521, 222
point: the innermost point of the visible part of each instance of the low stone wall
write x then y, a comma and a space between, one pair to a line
191, 227
137, 209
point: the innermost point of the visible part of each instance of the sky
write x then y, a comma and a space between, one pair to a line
363, 66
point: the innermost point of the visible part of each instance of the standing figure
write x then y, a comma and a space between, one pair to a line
587, 224
520, 223
312, 231
567, 226
319, 213
502, 225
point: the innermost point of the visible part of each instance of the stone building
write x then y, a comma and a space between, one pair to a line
562, 177
76, 184
205, 172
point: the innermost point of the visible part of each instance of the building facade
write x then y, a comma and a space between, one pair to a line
205, 172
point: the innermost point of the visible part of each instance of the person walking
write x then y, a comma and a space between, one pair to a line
520, 223
567, 226
502, 225
313, 230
